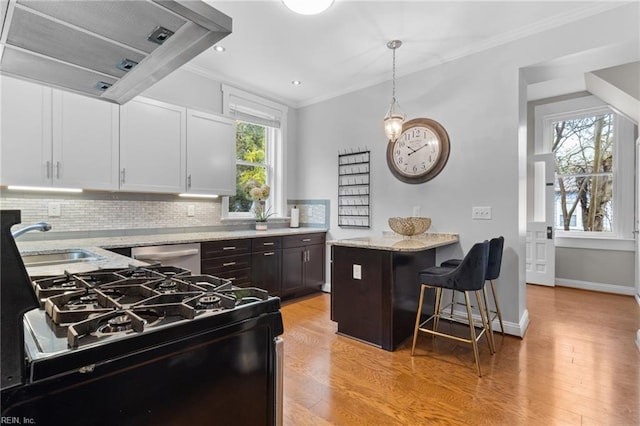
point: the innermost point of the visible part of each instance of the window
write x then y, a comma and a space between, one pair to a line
593, 149
584, 185
260, 139
253, 144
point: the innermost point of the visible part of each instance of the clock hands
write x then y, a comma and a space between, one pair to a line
413, 151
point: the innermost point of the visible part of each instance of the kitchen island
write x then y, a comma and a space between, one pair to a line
374, 287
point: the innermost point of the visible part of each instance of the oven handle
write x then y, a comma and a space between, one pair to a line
166, 255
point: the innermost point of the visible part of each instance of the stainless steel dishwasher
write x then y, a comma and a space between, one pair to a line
183, 255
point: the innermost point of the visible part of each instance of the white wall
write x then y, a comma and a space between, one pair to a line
476, 99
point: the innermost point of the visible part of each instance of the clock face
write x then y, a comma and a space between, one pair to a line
421, 151
416, 151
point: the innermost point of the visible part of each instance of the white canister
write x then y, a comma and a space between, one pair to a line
295, 217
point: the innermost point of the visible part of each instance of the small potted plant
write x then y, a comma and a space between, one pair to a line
259, 194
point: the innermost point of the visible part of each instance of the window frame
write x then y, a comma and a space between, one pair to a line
244, 106
623, 169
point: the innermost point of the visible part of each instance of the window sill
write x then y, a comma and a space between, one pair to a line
595, 243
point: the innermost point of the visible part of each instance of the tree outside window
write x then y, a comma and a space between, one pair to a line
251, 166
583, 149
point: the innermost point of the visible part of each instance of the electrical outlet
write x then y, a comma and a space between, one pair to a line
191, 210
357, 272
481, 213
54, 209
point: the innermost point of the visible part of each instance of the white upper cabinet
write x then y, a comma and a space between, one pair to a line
85, 142
211, 154
56, 138
25, 135
152, 147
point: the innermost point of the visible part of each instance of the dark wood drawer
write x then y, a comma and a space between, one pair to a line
303, 240
225, 248
239, 277
266, 244
225, 263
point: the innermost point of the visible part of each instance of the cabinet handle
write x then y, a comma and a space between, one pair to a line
269, 253
122, 175
48, 167
306, 240
57, 170
189, 181
229, 264
229, 248
268, 244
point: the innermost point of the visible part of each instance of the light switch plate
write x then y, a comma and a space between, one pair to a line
357, 272
54, 209
191, 210
481, 213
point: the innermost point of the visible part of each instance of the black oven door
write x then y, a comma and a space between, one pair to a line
219, 377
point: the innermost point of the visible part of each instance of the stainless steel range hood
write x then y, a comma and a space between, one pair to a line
112, 50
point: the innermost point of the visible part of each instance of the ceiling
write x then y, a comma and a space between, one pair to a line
344, 48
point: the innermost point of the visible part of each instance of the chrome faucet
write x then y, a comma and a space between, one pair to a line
40, 226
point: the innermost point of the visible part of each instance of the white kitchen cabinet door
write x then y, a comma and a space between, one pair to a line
85, 142
25, 136
152, 147
211, 154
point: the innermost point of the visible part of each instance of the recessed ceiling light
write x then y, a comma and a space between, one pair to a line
219, 48
308, 7
296, 82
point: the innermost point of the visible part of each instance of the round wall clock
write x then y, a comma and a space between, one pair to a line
421, 151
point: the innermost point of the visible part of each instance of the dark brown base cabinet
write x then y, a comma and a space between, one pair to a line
230, 259
286, 266
266, 264
380, 308
303, 260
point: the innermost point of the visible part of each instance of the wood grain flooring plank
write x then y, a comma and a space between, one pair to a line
577, 365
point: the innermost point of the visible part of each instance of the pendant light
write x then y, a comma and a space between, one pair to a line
308, 7
395, 117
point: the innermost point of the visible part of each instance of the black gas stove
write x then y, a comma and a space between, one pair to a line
146, 345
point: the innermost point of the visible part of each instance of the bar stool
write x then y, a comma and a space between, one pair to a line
467, 277
496, 247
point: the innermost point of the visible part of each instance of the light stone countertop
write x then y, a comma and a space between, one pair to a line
108, 259
394, 242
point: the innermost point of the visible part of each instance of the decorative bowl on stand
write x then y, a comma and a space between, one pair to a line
409, 226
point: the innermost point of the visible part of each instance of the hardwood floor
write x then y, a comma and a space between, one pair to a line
577, 365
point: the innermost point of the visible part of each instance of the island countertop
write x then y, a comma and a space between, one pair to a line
395, 242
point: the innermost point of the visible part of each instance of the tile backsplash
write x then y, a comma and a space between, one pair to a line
103, 211
91, 212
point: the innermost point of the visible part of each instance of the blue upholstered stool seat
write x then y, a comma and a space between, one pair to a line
496, 247
467, 277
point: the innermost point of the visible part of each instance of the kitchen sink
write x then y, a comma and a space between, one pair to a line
59, 257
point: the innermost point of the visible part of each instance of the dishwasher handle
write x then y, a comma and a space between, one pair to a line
166, 255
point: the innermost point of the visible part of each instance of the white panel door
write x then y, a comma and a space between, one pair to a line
152, 147
85, 142
25, 134
211, 154
540, 248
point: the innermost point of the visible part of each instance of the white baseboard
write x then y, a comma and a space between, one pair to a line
605, 288
511, 328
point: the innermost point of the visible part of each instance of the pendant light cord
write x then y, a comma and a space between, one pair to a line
394, 75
